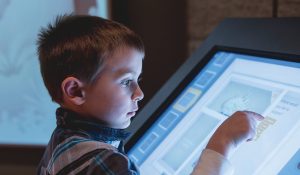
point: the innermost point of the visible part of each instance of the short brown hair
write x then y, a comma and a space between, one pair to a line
76, 45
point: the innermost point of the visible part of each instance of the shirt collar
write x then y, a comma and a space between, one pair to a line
69, 119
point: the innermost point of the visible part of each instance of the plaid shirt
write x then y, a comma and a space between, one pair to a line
81, 146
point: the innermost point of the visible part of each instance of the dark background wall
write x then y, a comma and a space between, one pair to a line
204, 15
162, 26
171, 31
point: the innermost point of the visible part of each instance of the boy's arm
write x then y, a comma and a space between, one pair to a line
237, 128
212, 163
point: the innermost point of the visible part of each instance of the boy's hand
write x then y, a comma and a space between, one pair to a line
237, 128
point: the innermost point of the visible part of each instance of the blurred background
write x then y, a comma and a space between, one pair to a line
171, 31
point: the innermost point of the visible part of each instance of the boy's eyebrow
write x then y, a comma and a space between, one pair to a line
126, 71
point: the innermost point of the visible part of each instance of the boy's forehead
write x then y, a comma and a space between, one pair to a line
124, 62
126, 69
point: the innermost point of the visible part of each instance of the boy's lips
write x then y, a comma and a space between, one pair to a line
134, 110
131, 114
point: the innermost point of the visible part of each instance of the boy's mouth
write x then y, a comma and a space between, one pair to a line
131, 114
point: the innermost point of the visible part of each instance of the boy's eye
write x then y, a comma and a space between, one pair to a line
126, 83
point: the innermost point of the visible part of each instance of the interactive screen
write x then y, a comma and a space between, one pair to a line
229, 82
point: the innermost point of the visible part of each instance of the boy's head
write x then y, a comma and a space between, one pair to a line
81, 57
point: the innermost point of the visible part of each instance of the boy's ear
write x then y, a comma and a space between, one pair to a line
73, 91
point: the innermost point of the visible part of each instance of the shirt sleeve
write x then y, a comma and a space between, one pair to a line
212, 163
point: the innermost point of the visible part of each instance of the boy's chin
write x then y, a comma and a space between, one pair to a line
124, 125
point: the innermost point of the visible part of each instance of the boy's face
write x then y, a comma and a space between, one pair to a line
113, 99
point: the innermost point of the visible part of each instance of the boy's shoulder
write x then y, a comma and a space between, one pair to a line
76, 142
77, 146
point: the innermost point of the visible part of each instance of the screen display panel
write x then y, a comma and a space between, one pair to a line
229, 82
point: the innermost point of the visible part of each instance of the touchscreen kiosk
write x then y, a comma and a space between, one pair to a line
224, 81
228, 83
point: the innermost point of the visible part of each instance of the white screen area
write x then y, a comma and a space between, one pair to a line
229, 82
27, 114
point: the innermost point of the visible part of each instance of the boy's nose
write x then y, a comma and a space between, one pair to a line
138, 95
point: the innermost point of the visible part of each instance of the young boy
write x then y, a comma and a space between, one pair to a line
91, 68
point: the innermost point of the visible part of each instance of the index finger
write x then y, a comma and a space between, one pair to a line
255, 115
